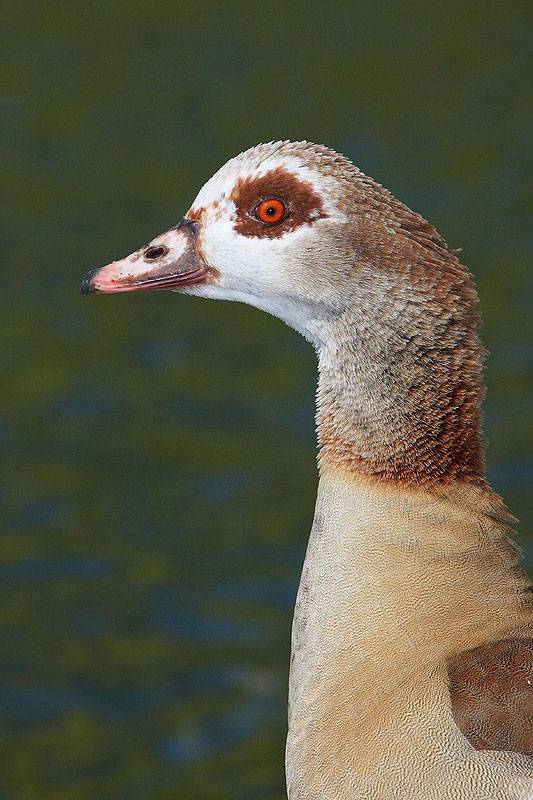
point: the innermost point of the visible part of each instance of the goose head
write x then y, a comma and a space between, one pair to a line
297, 230
272, 228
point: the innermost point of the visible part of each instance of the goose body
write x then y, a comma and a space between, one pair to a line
412, 648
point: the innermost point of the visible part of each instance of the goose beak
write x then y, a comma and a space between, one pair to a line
170, 261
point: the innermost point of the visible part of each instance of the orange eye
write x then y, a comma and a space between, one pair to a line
270, 211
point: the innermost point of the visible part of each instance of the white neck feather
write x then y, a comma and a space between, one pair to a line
395, 582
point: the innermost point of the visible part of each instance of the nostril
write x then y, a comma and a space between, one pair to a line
156, 251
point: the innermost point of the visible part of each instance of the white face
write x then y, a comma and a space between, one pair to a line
277, 267
265, 230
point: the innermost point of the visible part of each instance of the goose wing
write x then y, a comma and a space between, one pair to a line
491, 690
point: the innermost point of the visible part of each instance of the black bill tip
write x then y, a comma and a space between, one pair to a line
86, 283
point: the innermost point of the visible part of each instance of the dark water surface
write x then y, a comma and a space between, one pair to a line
158, 471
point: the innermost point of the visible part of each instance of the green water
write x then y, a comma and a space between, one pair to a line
158, 472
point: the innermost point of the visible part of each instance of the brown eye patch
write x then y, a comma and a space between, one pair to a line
302, 205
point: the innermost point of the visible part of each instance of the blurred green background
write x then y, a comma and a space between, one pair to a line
158, 470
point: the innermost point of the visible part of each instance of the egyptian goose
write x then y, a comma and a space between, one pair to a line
412, 648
